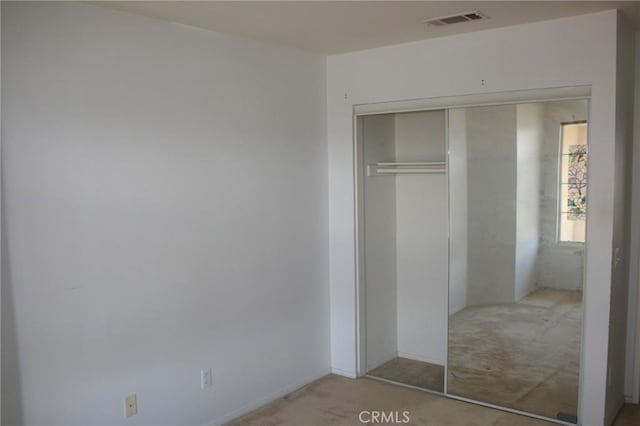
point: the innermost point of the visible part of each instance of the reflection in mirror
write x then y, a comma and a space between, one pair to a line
518, 207
403, 246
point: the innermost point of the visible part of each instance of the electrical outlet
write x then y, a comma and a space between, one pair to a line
130, 405
206, 378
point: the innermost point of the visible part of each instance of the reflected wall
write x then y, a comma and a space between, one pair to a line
515, 281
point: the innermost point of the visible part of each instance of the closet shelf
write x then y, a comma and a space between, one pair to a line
420, 167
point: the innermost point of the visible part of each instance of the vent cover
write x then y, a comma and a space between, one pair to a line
455, 19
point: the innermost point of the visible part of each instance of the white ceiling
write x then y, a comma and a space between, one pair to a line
331, 27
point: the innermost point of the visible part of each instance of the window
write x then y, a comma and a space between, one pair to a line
573, 182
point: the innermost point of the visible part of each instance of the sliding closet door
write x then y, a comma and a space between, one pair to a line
518, 179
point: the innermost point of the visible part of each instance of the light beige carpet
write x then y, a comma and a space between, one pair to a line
338, 401
629, 416
410, 372
523, 355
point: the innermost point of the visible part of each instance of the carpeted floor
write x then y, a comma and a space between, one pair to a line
338, 401
410, 372
524, 356
629, 416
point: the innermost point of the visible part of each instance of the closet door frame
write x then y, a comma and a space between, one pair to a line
446, 104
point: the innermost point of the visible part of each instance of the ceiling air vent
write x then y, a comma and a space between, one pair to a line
454, 19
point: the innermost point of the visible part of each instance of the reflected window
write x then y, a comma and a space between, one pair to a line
573, 182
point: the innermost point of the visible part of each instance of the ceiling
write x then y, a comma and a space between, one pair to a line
331, 27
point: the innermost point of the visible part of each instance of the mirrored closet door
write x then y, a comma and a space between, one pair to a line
518, 211
403, 246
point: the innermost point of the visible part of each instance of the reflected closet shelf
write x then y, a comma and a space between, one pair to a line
420, 167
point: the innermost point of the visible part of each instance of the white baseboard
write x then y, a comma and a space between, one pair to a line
344, 373
245, 409
421, 358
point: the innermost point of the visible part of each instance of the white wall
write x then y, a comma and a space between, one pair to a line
165, 199
632, 378
528, 170
621, 218
421, 224
491, 203
499, 183
458, 214
537, 55
561, 264
378, 134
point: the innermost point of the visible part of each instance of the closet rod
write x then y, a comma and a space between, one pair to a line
393, 168
408, 171
418, 163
